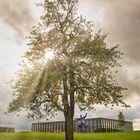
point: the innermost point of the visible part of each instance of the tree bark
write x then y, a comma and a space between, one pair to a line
69, 105
69, 127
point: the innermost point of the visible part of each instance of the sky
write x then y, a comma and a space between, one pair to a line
120, 19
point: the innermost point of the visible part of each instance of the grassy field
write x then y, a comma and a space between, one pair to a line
78, 136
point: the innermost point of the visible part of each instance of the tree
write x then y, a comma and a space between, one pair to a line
121, 118
80, 73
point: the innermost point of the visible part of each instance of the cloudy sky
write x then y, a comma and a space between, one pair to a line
121, 19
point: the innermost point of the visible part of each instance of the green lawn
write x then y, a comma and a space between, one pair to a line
78, 136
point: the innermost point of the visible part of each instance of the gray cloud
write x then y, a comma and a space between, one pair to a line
17, 14
121, 19
129, 77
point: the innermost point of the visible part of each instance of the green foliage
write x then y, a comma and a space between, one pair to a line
31, 86
81, 71
121, 118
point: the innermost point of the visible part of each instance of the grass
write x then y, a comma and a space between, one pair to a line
78, 136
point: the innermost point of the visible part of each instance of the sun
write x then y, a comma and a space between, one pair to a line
49, 55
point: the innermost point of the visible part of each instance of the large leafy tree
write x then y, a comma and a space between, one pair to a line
81, 71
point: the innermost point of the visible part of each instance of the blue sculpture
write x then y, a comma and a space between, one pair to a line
81, 122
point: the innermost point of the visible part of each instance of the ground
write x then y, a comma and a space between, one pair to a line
78, 136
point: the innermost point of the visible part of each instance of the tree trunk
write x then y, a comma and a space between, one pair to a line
69, 105
69, 127
69, 120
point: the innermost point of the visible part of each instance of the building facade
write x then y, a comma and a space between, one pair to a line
7, 129
95, 125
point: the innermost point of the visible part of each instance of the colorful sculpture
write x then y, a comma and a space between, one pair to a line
81, 122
